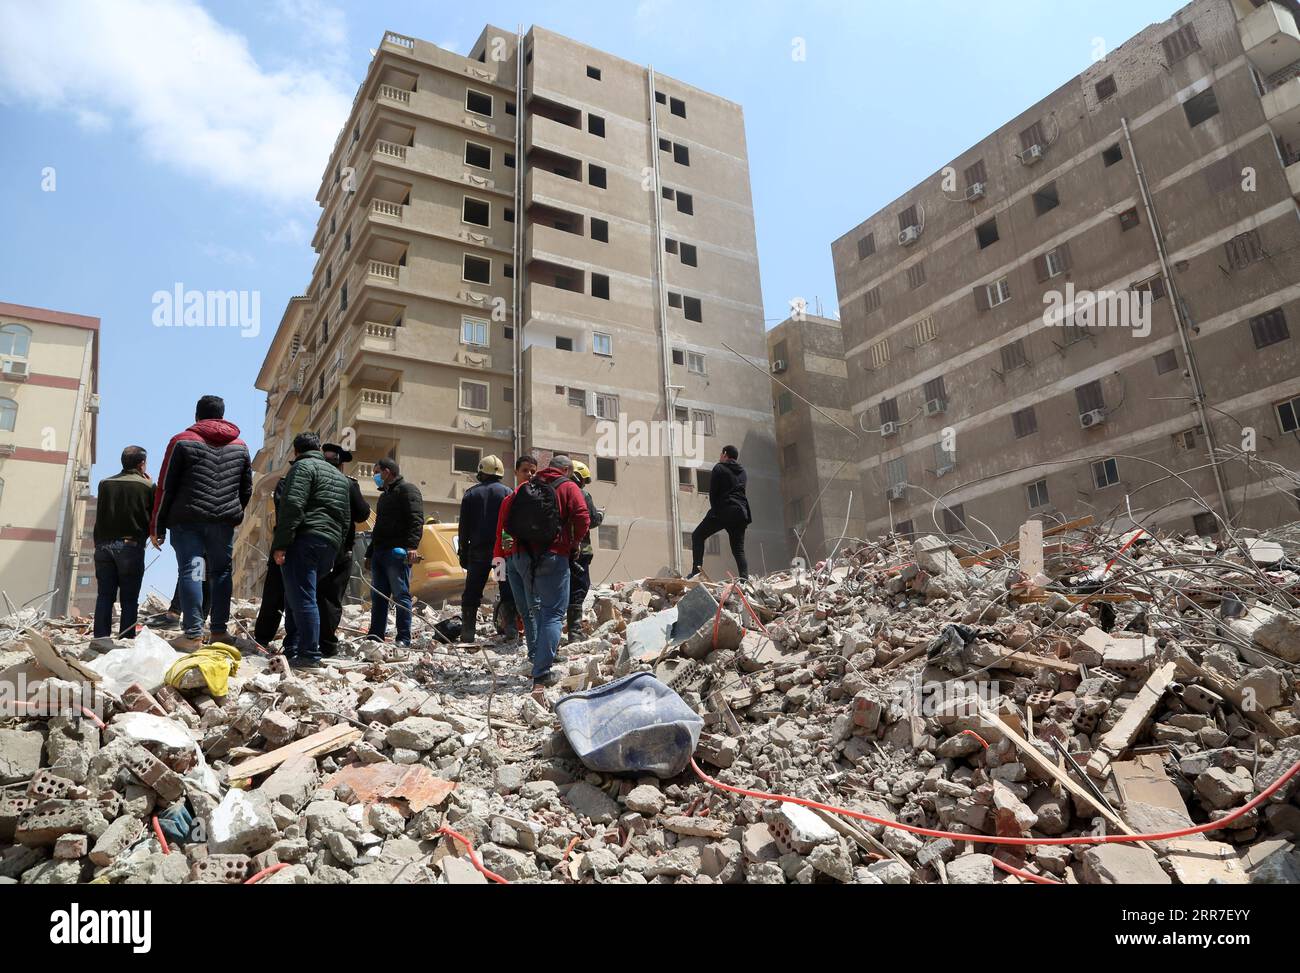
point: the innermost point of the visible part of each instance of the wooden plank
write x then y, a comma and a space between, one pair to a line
44, 652
1031, 548
1035, 757
1030, 661
1121, 736
1011, 547
326, 741
913, 653
1115, 599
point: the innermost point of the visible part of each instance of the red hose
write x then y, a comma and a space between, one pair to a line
265, 872
1027, 876
158, 832
1109, 839
469, 846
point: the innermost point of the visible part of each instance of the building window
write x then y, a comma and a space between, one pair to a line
916, 275
1269, 328
675, 300
599, 230
872, 300
695, 363
507, 394
1129, 219
578, 398
1013, 355
689, 255
784, 404
600, 286
692, 309
976, 174
1046, 199
681, 154
1024, 423
474, 396
1053, 263
596, 125
896, 472
1166, 361
607, 534
1288, 415
1244, 249
1112, 155
474, 331
1155, 286
686, 204
880, 354
998, 292
593, 73
1180, 44
476, 211
1105, 473
1090, 397
866, 246
1201, 108
1185, 440
510, 160
606, 469
478, 102
889, 411
563, 344
1038, 494
907, 218
8, 415
935, 390
602, 344
954, 519
596, 176
1205, 524
986, 234
703, 422
465, 459
677, 107
945, 460
606, 406
923, 331
1033, 135
476, 270
1106, 87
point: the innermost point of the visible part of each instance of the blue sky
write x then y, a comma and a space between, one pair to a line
185, 143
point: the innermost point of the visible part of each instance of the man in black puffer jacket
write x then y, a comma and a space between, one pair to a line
204, 485
399, 526
728, 510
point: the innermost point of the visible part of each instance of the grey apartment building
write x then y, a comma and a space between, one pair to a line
537, 246
815, 438
1169, 170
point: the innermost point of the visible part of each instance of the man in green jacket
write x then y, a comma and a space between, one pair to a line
310, 525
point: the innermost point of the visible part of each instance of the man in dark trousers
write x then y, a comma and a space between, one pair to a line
310, 525
205, 482
538, 532
580, 567
271, 610
728, 510
477, 539
505, 614
394, 547
124, 504
333, 587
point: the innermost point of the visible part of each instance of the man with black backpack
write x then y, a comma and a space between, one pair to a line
539, 531
580, 567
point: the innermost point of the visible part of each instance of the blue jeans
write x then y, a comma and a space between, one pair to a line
119, 571
541, 590
391, 577
309, 557
203, 550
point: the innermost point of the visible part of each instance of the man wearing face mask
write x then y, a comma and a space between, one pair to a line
394, 547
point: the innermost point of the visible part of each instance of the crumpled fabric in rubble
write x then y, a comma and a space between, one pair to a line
217, 662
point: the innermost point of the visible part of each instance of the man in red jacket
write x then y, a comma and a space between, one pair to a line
539, 530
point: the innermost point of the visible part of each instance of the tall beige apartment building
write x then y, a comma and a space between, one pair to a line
1169, 172
553, 252
49, 403
816, 438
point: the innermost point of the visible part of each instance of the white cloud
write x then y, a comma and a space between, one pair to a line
222, 253
321, 24
187, 87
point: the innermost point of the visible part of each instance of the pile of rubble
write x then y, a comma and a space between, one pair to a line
1094, 686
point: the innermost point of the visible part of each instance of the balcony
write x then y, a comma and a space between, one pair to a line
390, 151
567, 140
373, 404
1282, 109
384, 209
550, 188
394, 95
1270, 38
557, 246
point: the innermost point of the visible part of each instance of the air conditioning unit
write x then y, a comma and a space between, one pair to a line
1094, 418
1032, 155
936, 407
92, 406
8, 449
15, 371
975, 191
897, 492
909, 236
888, 429
944, 470
779, 366
83, 474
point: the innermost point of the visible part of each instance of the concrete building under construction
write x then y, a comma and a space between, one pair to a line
994, 389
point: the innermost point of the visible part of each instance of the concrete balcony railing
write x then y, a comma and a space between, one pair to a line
400, 41
364, 471
398, 95
379, 332
546, 133
377, 270
372, 404
1270, 38
386, 209
390, 150
546, 187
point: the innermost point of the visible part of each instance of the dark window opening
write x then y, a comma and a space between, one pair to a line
693, 309
1111, 156
596, 176
1201, 108
686, 204
674, 300
1024, 423
866, 246
478, 212
478, 103
679, 356
510, 160
1046, 199
1106, 87
593, 73
600, 286
889, 411
661, 98
465, 460
681, 154
935, 389
563, 344
1269, 328
510, 108
689, 256
1166, 361
596, 125
1090, 397
670, 246
1129, 219
954, 519
599, 230
478, 270
987, 233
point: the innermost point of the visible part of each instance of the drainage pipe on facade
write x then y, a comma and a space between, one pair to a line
1198, 390
661, 296
520, 258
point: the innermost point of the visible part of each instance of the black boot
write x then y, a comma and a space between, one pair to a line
575, 625
469, 628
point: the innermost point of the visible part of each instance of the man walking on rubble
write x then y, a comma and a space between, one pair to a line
124, 503
311, 523
506, 615
538, 533
479, 509
580, 567
728, 510
333, 587
205, 482
394, 547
